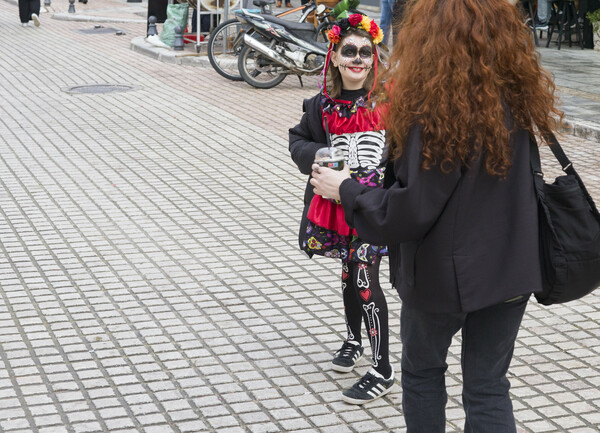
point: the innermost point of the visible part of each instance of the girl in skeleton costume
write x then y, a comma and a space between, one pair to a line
355, 126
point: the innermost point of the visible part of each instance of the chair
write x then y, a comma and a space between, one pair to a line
565, 19
530, 21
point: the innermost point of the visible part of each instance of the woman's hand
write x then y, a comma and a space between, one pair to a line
327, 181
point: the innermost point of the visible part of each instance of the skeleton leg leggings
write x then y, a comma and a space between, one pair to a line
363, 297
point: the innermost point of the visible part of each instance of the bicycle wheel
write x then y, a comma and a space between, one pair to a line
221, 54
258, 70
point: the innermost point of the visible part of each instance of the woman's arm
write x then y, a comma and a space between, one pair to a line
405, 211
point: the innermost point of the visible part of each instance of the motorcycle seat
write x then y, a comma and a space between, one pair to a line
291, 25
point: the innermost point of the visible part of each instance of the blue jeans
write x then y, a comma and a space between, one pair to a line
543, 10
488, 338
386, 18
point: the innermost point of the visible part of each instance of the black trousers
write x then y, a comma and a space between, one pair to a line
488, 339
28, 7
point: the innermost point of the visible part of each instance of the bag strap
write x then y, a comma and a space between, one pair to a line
534, 155
560, 155
565, 164
536, 167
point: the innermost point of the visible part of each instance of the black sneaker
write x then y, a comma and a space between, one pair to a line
541, 25
370, 387
346, 358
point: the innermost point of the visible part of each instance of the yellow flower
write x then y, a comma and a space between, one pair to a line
379, 37
365, 23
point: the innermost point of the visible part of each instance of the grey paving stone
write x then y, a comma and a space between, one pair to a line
140, 287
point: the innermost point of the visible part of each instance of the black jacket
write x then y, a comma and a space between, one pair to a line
458, 242
305, 139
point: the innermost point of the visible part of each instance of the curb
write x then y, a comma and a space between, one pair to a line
167, 55
65, 16
583, 129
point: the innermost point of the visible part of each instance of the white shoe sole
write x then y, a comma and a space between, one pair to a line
342, 369
36, 20
359, 401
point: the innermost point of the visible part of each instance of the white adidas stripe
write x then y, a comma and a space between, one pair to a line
379, 388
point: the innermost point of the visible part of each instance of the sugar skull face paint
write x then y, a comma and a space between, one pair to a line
354, 59
349, 50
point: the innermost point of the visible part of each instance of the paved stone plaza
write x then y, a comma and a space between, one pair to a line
150, 279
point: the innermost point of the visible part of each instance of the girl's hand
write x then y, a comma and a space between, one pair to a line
327, 181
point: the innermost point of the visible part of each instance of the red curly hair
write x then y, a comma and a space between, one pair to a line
455, 68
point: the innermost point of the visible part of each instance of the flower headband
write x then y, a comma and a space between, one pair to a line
357, 21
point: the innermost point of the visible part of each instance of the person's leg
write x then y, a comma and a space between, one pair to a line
425, 341
352, 310
488, 340
351, 351
24, 13
386, 19
374, 309
35, 11
543, 11
398, 8
379, 380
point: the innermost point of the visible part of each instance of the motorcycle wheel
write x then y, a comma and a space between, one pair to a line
222, 56
258, 70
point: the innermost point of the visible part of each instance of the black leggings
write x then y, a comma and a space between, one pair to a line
364, 299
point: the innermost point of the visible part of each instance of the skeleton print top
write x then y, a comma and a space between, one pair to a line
357, 130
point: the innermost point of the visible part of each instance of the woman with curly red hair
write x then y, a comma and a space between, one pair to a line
466, 94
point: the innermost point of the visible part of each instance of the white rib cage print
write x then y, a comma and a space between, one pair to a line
362, 149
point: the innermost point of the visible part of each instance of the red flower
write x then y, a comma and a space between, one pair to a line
374, 29
334, 34
355, 19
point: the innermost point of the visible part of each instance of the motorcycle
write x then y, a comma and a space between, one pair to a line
220, 50
274, 48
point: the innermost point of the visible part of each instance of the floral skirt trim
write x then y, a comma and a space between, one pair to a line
321, 241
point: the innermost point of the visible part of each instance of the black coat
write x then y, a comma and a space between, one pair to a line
458, 242
305, 139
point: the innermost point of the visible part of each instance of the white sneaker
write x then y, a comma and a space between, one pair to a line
36, 20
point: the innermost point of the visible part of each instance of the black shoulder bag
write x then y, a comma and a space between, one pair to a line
569, 231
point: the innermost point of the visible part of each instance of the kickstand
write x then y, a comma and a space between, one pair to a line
300, 78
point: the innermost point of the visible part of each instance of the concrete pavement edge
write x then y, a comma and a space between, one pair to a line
167, 55
62, 16
583, 129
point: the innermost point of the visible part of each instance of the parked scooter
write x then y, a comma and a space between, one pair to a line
274, 47
221, 52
